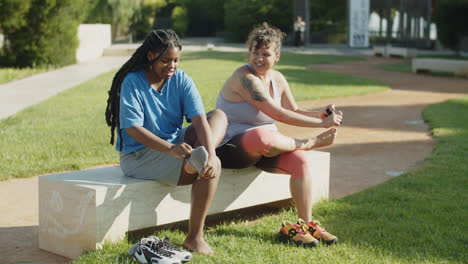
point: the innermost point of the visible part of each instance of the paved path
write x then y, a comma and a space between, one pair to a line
382, 136
19, 94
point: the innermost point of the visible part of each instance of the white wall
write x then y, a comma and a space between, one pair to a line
94, 38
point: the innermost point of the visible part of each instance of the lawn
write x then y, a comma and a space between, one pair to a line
419, 217
10, 74
68, 131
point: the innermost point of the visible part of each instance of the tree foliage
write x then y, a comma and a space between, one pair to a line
13, 14
451, 19
242, 15
179, 20
203, 21
328, 15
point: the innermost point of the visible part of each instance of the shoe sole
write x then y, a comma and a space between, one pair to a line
287, 240
330, 242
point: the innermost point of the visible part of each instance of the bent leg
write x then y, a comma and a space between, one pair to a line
246, 149
203, 190
218, 122
294, 163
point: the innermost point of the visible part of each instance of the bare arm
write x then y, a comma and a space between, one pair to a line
288, 102
253, 91
145, 137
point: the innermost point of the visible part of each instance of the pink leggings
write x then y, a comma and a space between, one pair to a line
248, 149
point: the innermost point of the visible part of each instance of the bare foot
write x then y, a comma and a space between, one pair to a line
322, 140
198, 246
189, 169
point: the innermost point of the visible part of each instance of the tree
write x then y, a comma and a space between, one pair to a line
203, 21
451, 19
242, 15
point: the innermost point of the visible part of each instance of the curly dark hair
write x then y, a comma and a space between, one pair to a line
157, 41
265, 35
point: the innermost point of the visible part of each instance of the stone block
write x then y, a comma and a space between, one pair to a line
81, 210
458, 67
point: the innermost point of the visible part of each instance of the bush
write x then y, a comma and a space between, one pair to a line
49, 34
242, 15
451, 19
179, 20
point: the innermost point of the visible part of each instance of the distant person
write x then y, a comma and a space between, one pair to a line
253, 98
299, 29
148, 101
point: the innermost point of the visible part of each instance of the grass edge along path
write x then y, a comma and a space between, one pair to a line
68, 131
13, 74
419, 217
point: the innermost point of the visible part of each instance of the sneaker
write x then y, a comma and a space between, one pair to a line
318, 231
181, 254
149, 251
296, 234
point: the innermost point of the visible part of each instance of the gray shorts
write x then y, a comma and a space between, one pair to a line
149, 164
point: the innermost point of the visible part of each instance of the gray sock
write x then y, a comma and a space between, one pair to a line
198, 158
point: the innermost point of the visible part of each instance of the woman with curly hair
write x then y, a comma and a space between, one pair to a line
253, 98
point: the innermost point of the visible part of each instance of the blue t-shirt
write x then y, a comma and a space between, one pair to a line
161, 113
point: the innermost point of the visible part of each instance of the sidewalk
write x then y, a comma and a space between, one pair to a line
19, 94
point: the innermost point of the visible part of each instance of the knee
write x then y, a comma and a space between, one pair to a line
258, 140
218, 116
296, 163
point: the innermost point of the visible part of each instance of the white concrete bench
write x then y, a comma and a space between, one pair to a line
388, 51
458, 67
81, 210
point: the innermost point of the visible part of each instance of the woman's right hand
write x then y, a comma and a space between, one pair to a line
334, 119
182, 150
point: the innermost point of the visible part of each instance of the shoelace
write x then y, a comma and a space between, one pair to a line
302, 229
157, 248
319, 226
166, 244
303, 225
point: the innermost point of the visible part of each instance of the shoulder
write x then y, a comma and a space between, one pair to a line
277, 76
279, 79
134, 76
133, 80
181, 78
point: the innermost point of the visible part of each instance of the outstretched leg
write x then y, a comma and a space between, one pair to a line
259, 142
203, 190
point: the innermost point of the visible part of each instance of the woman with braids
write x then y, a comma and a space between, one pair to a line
148, 101
253, 98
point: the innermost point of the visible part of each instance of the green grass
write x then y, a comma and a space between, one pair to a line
419, 217
10, 74
400, 67
68, 131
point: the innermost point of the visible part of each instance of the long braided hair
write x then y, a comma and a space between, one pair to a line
157, 41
